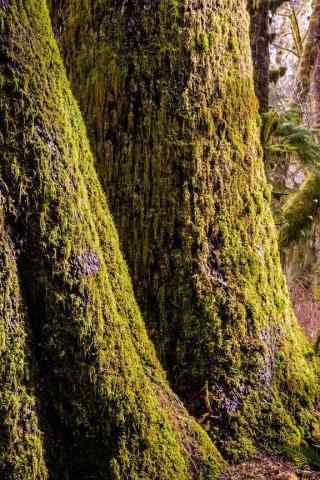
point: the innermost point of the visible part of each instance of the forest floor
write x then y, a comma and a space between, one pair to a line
269, 468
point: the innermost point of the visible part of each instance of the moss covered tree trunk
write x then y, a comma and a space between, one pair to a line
82, 394
167, 91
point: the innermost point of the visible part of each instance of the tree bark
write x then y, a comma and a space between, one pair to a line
308, 75
96, 403
260, 42
167, 92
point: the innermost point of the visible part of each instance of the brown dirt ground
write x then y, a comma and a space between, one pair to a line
269, 468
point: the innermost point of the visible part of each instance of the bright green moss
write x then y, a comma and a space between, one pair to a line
299, 212
204, 42
106, 410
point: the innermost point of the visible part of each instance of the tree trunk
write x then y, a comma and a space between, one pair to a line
95, 403
260, 41
308, 74
166, 89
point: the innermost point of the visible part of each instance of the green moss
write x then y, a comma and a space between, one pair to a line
204, 42
298, 221
179, 156
302, 457
299, 212
21, 439
106, 410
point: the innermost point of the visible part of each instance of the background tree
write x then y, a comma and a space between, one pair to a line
167, 92
308, 75
96, 403
260, 42
300, 214
260, 12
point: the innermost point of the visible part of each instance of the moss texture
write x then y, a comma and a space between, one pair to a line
106, 410
300, 212
21, 440
167, 92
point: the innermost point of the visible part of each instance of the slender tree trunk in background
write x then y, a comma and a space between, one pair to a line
260, 12
166, 89
260, 41
315, 85
103, 408
307, 69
